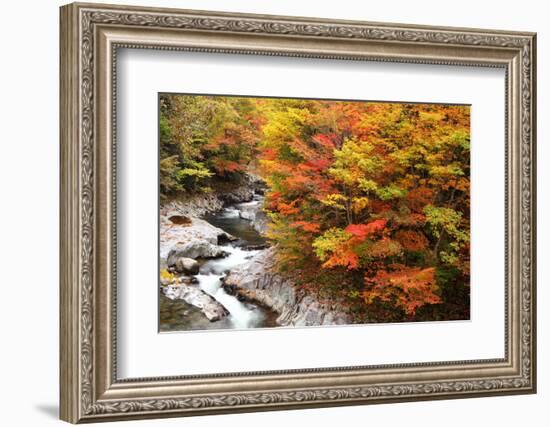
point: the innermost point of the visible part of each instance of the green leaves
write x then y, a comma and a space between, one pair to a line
443, 219
329, 242
448, 223
389, 192
356, 162
204, 138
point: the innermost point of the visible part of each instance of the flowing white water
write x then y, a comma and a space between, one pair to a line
229, 212
242, 315
252, 203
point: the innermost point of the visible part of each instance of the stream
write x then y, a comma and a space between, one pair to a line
176, 315
229, 220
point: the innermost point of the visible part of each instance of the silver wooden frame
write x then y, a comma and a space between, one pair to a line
90, 36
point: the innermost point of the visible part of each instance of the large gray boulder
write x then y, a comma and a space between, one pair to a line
253, 211
248, 210
260, 222
238, 194
187, 266
172, 233
195, 249
195, 296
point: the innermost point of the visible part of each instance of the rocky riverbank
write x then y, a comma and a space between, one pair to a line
196, 297
258, 281
199, 205
188, 242
227, 272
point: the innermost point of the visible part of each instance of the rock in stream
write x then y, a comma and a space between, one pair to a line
257, 281
196, 297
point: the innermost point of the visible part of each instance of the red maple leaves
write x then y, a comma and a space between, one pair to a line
362, 231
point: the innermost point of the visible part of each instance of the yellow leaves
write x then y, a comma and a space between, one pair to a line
341, 202
431, 116
166, 276
367, 184
358, 204
335, 201
331, 240
284, 122
447, 171
268, 165
357, 167
357, 155
390, 192
355, 246
463, 184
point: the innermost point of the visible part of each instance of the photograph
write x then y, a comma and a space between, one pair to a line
292, 212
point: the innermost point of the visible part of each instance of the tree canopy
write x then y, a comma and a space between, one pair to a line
375, 196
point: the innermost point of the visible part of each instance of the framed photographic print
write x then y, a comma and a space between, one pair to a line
265, 212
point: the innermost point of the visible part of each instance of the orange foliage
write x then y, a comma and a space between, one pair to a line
411, 240
288, 208
325, 140
362, 231
417, 198
222, 167
346, 258
407, 287
311, 227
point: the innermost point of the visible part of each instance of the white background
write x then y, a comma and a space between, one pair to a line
29, 171
142, 350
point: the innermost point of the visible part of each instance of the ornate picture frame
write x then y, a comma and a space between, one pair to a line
90, 37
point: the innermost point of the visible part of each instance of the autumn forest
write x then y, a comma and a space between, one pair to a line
363, 208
